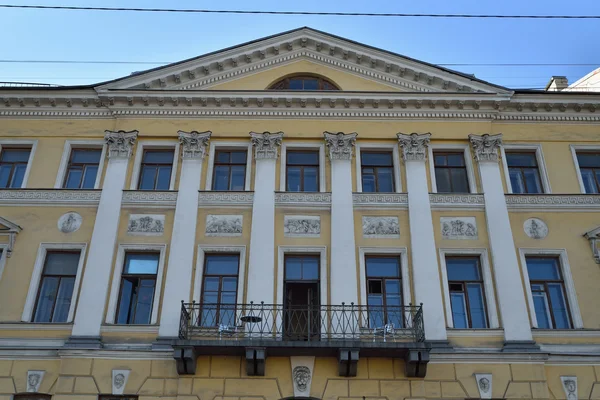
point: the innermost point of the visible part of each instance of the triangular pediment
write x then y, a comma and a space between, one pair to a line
7, 226
250, 65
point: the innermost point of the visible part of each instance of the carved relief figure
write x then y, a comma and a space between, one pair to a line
194, 143
119, 381
301, 377
120, 144
266, 144
535, 228
484, 385
302, 226
414, 146
146, 224
340, 145
459, 228
486, 146
224, 225
381, 226
34, 380
570, 386
69, 222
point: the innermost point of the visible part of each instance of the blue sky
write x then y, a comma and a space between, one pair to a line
128, 36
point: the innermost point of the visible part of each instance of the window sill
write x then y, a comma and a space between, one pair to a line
486, 332
10, 326
129, 328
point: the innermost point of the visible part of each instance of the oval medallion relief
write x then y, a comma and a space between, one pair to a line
69, 222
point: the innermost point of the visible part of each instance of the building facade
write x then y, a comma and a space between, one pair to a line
299, 216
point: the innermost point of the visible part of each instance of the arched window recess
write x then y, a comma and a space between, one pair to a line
304, 82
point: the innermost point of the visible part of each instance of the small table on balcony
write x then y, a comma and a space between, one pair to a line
253, 319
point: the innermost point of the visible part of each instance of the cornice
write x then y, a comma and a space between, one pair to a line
553, 202
380, 200
452, 201
316, 200
212, 199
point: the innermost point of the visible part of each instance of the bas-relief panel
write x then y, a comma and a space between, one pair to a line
302, 226
224, 225
380, 227
459, 228
146, 225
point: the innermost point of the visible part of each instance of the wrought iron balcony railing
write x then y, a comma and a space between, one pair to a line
277, 322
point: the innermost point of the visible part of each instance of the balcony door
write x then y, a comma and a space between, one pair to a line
302, 307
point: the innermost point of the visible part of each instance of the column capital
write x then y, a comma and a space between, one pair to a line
340, 145
194, 144
120, 143
486, 146
266, 144
414, 146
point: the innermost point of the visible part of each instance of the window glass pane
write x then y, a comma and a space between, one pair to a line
442, 180
293, 179
460, 182
210, 298
456, 159
383, 266
589, 160
542, 268
86, 156
385, 179
376, 312
18, 175
73, 178
375, 286
463, 269
63, 300
521, 160
46, 297
223, 156
392, 286
516, 181
303, 158
310, 268
89, 179
293, 268
589, 182
141, 263
541, 310
227, 315
439, 160
158, 157
209, 311
5, 175
145, 297
127, 288
238, 177
381, 159
229, 284
164, 178
296, 84
311, 179
238, 157
476, 305
368, 182
532, 177
211, 284
61, 263
221, 181
459, 310
147, 177
222, 264
15, 155
228, 297
311, 84
392, 300
559, 306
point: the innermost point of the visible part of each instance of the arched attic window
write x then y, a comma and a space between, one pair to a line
304, 82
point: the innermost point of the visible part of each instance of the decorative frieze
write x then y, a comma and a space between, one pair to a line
302, 226
194, 143
459, 228
380, 227
149, 198
553, 202
303, 199
340, 145
485, 147
380, 200
119, 380
26, 197
535, 228
146, 225
225, 199
224, 225
484, 385
266, 144
569, 384
69, 222
34, 380
414, 146
443, 201
120, 143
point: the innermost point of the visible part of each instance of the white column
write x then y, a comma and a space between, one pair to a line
511, 296
183, 239
261, 270
344, 288
425, 268
94, 288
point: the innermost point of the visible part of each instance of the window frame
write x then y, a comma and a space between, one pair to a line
314, 146
582, 148
541, 165
228, 145
320, 80
143, 145
402, 253
321, 251
32, 294
488, 284
374, 147
229, 165
32, 144
66, 156
450, 148
569, 285
115, 289
204, 275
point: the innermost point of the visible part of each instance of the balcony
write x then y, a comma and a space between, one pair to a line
343, 331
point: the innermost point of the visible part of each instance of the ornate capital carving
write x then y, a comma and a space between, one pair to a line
485, 147
266, 144
414, 146
340, 145
194, 143
120, 143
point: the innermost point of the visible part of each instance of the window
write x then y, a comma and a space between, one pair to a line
589, 167
384, 291
467, 299
524, 172
156, 169
548, 292
451, 172
304, 83
138, 282
302, 171
377, 171
219, 289
13, 165
82, 169
229, 170
56, 287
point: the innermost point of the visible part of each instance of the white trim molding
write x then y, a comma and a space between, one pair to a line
539, 155
155, 145
18, 143
320, 146
468, 163
118, 271
486, 273
66, 155
247, 145
567, 278
38, 268
323, 282
4, 249
204, 249
390, 251
384, 147
583, 148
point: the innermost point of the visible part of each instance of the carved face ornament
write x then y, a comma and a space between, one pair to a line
484, 384
301, 377
33, 380
119, 381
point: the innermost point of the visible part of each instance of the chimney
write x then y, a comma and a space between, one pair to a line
557, 83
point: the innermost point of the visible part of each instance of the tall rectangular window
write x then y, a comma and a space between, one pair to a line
524, 172
229, 170
155, 172
13, 164
589, 166
450, 172
302, 171
56, 287
138, 282
219, 289
82, 169
377, 170
384, 291
548, 291
467, 299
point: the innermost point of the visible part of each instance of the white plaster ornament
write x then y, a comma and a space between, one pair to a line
535, 228
570, 387
69, 222
302, 225
380, 227
224, 225
302, 372
340, 145
414, 146
484, 385
146, 225
119, 380
459, 228
266, 144
34, 380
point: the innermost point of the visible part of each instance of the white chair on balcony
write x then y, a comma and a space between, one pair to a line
384, 331
230, 330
